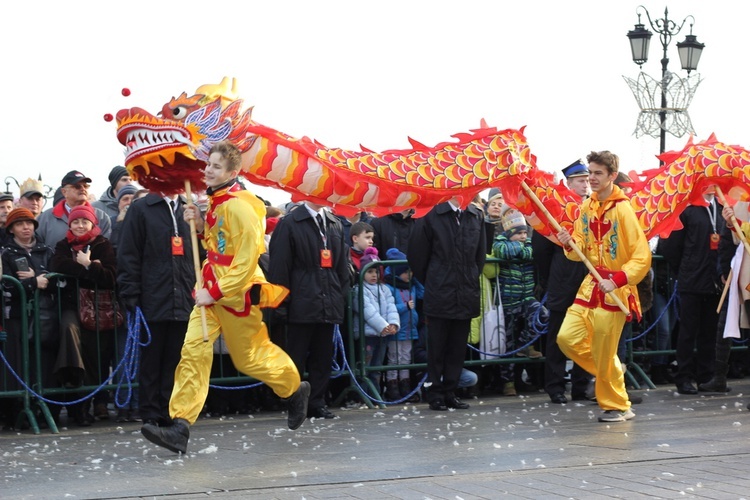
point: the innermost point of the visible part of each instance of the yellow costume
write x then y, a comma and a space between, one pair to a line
233, 237
610, 236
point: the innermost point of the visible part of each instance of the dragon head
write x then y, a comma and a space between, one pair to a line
164, 151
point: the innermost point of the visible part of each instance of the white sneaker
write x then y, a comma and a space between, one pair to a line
616, 416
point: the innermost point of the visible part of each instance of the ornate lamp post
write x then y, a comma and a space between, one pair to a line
48, 190
672, 113
7, 183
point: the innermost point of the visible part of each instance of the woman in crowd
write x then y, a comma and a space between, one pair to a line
84, 356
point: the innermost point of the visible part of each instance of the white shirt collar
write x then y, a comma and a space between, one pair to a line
313, 213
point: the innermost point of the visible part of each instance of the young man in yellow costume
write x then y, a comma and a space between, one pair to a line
610, 236
233, 291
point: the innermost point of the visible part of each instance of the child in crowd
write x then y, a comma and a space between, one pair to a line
361, 234
516, 279
405, 293
375, 313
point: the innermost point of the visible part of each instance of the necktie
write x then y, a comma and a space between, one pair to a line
174, 205
321, 225
458, 217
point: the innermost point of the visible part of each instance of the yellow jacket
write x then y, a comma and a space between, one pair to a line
234, 239
610, 236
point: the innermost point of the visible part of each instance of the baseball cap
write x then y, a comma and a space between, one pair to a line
74, 177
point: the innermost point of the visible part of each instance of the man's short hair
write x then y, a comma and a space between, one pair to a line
230, 152
605, 158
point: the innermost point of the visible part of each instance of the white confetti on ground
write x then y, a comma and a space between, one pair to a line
210, 449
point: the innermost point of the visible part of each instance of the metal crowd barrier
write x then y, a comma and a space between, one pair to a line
22, 376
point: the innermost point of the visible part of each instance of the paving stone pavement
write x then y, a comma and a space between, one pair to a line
523, 447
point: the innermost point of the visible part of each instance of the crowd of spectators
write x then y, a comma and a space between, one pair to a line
456, 265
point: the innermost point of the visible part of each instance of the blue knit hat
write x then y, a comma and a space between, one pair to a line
127, 189
396, 254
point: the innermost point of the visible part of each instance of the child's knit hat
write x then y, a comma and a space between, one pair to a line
370, 255
396, 254
513, 220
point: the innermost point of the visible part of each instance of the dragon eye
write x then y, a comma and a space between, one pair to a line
179, 112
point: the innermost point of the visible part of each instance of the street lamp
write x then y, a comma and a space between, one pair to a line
7, 183
672, 119
48, 191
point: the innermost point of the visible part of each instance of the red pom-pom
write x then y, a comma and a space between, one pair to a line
108, 117
126, 91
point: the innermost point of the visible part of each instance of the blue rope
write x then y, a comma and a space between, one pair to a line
132, 355
672, 298
338, 350
138, 317
537, 325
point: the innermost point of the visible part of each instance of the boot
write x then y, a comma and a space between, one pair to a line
174, 437
719, 381
391, 390
533, 353
297, 405
80, 416
404, 387
509, 389
660, 375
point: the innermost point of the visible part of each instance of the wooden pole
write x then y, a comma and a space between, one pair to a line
743, 239
196, 258
724, 292
533, 197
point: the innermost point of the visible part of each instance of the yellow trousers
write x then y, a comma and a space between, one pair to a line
589, 337
251, 350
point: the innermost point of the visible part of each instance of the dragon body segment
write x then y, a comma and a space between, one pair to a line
163, 151
658, 196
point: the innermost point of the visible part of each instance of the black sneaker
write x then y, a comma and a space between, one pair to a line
174, 437
297, 406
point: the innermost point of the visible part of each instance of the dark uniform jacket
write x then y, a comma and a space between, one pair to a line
447, 258
689, 254
160, 283
557, 275
391, 231
317, 294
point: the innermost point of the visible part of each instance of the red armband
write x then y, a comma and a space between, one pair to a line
215, 292
620, 279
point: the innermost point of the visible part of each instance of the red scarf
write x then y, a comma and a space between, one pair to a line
77, 243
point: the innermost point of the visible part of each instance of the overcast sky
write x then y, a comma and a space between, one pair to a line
348, 73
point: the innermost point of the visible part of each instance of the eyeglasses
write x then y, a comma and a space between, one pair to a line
79, 187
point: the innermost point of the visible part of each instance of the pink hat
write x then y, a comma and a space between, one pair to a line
83, 212
370, 255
